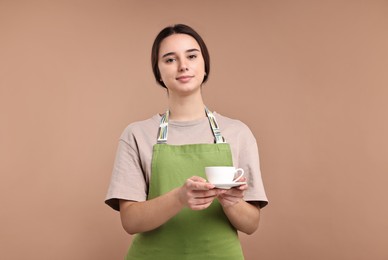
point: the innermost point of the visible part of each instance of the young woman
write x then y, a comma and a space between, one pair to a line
158, 182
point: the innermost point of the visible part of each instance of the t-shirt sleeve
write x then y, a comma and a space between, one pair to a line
128, 179
248, 159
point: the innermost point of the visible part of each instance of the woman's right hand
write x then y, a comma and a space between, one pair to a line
197, 194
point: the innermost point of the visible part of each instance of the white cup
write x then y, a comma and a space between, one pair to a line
223, 174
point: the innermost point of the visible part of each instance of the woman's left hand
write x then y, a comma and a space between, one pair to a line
232, 196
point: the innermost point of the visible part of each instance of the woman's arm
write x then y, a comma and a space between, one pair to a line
243, 215
138, 217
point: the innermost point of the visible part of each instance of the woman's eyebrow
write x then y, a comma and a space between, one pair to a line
191, 50
173, 53
168, 54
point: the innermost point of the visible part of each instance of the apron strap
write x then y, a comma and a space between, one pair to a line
163, 128
216, 130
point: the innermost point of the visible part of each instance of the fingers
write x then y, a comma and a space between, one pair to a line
198, 183
242, 179
242, 187
227, 201
200, 203
232, 196
198, 200
197, 178
198, 194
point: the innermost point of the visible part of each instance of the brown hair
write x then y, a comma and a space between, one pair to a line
176, 29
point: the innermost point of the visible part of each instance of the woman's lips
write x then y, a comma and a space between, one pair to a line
184, 79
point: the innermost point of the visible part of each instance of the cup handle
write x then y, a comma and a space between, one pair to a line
241, 174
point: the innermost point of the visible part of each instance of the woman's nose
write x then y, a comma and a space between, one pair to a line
183, 67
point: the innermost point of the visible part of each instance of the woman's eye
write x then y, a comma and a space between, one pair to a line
192, 56
169, 60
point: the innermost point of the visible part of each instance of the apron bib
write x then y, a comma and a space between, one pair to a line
203, 234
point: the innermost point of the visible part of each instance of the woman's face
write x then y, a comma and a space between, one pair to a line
181, 65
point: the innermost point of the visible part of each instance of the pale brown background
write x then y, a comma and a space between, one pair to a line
309, 77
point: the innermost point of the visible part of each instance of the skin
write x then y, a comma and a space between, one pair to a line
182, 70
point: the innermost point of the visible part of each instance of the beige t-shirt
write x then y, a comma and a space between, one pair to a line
132, 166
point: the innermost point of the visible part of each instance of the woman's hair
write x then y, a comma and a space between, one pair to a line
176, 29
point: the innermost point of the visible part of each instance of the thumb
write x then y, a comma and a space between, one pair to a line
197, 179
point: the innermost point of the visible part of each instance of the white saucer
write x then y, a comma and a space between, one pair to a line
227, 186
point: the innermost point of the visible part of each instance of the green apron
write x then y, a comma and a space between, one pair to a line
204, 234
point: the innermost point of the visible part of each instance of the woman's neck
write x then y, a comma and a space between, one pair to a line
186, 108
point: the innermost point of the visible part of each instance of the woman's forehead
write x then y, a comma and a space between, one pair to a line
178, 43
